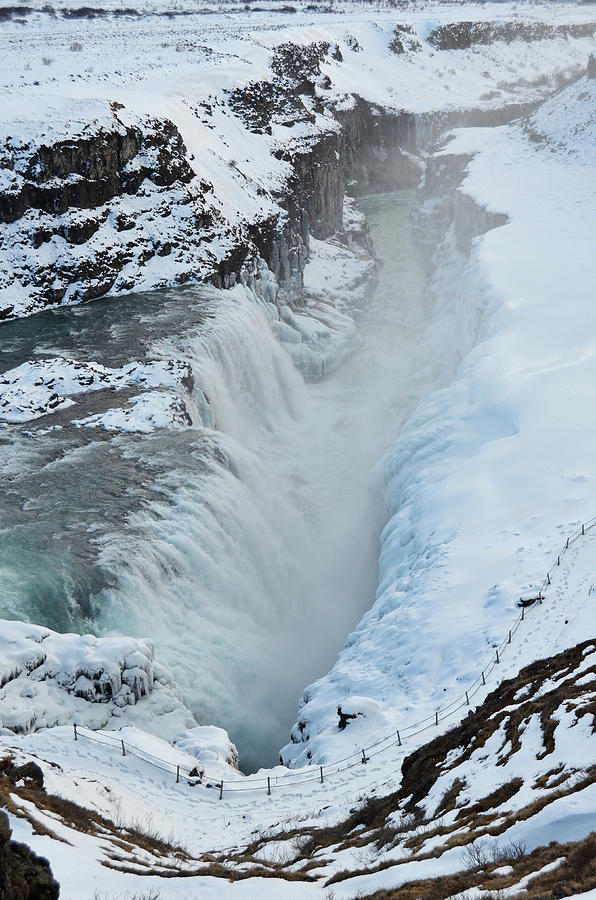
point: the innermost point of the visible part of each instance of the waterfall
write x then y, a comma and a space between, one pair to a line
232, 570
245, 546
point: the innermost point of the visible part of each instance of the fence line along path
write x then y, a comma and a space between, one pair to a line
320, 773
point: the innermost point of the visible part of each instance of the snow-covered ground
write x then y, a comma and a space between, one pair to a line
490, 475
67, 78
492, 472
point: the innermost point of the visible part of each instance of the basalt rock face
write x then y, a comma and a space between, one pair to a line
23, 875
290, 96
444, 212
91, 170
463, 35
368, 152
115, 203
365, 148
88, 213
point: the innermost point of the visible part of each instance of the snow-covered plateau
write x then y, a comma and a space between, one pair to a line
342, 265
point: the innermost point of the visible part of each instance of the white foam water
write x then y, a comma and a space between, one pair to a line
244, 546
264, 555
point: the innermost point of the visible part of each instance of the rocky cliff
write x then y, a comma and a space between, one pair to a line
102, 196
90, 211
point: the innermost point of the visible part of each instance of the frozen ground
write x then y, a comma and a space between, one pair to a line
62, 75
493, 471
489, 477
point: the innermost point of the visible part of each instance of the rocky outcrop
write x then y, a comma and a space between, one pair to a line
88, 213
91, 170
404, 40
23, 874
117, 203
370, 150
463, 35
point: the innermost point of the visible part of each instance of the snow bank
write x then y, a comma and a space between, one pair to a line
50, 679
37, 388
149, 411
492, 472
209, 744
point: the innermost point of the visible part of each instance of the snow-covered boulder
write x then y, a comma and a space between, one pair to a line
49, 679
209, 744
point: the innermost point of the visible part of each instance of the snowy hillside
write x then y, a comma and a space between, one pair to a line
192, 467
138, 157
492, 472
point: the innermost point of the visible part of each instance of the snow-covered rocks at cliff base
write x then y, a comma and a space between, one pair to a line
50, 679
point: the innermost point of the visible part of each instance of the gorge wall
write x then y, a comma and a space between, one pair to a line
100, 196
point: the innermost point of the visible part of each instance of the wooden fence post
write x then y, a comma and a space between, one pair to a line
467, 699
436, 717
498, 660
483, 678
364, 758
220, 789
177, 774
268, 786
321, 771
123, 750
398, 739
76, 737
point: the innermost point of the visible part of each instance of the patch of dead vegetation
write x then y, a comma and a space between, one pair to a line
398, 820
574, 874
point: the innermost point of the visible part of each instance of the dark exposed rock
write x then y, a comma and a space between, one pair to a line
421, 769
260, 103
404, 40
462, 35
345, 717
23, 874
88, 172
74, 193
29, 772
297, 72
299, 64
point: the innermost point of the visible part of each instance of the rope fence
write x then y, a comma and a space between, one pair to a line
194, 776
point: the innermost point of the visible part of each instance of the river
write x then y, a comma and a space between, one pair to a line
246, 545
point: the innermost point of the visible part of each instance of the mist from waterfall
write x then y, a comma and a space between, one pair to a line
246, 546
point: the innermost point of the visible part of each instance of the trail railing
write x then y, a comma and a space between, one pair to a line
360, 757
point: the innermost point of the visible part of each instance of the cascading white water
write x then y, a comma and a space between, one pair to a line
264, 555
245, 546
